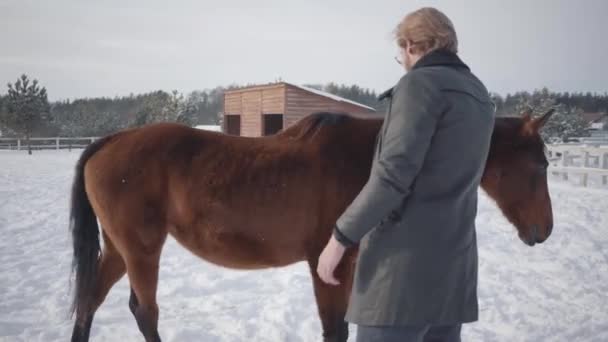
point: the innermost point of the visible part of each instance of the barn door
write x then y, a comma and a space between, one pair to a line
232, 124
272, 123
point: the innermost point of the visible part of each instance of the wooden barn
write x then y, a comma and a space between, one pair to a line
266, 109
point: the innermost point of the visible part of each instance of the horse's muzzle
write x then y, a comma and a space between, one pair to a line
536, 236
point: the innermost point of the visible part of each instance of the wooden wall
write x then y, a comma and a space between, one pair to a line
293, 102
301, 103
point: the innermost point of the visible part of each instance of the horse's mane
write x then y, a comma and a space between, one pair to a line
309, 126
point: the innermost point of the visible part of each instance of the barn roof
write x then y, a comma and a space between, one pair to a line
307, 89
331, 96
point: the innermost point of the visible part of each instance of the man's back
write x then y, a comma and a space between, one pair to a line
414, 220
440, 211
418, 265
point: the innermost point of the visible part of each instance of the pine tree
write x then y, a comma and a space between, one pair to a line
3, 114
28, 107
567, 122
175, 107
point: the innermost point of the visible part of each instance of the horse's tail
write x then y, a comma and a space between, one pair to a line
85, 236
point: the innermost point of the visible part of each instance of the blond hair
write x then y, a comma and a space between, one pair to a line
427, 29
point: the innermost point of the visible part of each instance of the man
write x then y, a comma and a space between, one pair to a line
414, 220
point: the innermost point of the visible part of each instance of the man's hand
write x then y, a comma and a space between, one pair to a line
329, 260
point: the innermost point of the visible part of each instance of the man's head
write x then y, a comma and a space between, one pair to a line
423, 31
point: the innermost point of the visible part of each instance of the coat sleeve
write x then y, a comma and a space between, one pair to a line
416, 108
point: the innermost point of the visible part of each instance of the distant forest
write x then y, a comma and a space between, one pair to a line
100, 116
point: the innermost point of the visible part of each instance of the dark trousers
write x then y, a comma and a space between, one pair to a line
428, 333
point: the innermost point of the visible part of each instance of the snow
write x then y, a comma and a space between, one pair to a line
557, 291
214, 128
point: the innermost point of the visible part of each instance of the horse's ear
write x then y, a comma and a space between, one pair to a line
526, 114
538, 123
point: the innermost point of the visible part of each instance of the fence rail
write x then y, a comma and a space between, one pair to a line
578, 159
52, 143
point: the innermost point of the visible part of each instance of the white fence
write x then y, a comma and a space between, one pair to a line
54, 143
568, 161
588, 163
59, 143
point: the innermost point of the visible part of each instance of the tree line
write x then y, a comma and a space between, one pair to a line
585, 102
25, 110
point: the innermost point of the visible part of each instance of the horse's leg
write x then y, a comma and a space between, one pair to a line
111, 269
133, 302
143, 276
82, 328
332, 300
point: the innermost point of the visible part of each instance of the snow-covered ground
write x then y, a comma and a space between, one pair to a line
557, 291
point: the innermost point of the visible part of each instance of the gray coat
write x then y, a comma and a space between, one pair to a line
414, 220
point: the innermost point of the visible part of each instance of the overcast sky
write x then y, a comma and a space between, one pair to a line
109, 48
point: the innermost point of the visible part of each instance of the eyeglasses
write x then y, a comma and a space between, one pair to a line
403, 44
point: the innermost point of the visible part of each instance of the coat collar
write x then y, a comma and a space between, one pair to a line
386, 94
440, 57
434, 58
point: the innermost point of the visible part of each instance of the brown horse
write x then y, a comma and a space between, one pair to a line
253, 203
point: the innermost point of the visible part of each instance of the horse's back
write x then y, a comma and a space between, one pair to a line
198, 186
130, 172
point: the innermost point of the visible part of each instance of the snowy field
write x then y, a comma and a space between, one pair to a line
557, 291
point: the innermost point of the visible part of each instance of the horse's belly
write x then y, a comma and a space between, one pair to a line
231, 249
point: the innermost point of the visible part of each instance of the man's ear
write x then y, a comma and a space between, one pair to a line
411, 48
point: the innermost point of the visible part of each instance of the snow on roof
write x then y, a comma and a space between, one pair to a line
331, 96
214, 128
308, 89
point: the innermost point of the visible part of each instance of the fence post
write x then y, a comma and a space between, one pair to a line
18, 144
603, 163
565, 164
586, 159
57, 143
584, 179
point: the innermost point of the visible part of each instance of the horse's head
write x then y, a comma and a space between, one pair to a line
516, 176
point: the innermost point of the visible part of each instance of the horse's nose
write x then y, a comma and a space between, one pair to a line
535, 235
539, 237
